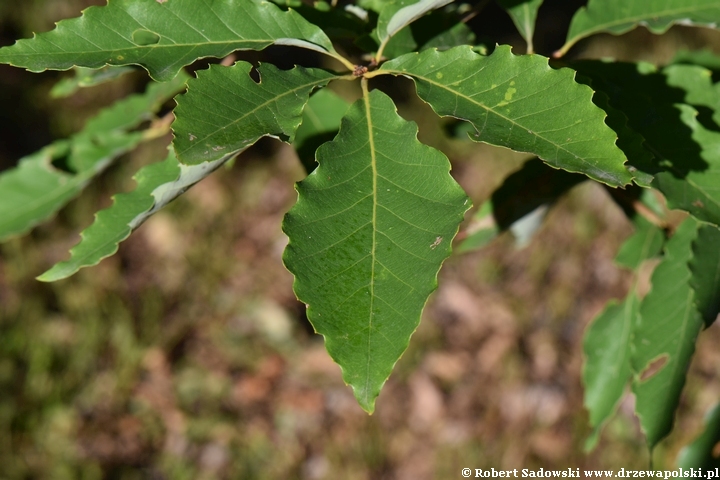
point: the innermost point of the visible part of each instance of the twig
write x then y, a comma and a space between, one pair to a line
475, 11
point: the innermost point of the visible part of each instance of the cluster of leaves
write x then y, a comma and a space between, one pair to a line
376, 219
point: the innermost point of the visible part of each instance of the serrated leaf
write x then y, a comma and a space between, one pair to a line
398, 14
639, 159
224, 110
35, 190
338, 23
700, 453
157, 185
668, 326
441, 29
697, 83
609, 340
87, 77
620, 16
696, 191
521, 103
113, 225
322, 114
683, 138
705, 269
689, 180
643, 95
321, 119
524, 15
164, 36
371, 227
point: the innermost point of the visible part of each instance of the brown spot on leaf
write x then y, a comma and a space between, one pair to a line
654, 367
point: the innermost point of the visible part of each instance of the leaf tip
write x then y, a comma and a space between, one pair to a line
53, 274
367, 404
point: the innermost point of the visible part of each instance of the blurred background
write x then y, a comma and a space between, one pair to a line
187, 356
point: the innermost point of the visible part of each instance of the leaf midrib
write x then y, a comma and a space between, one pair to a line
141, 47
275, 99
490, 110
373, 164
526, 23
634, 19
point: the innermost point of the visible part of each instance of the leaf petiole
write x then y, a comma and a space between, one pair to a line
347, 63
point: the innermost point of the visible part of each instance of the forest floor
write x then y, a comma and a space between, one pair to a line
187, 355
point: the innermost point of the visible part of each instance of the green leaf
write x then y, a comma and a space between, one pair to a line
338, 23
164, 36
87, 77
114, 224
521, 103
320, 122
639, 159
35, 190
524, 15
398, 14
441, 29
689, 181
700, 453
620, 16
608, 342
224, 110
157, 185
322, 114
683, 138
641, 94
371, 227
374, 5
696, 191
646, 242
704, 58
668, 325
697, 83
448, 37
288, 3
399, 44
606, 371
131, 111
705, 269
